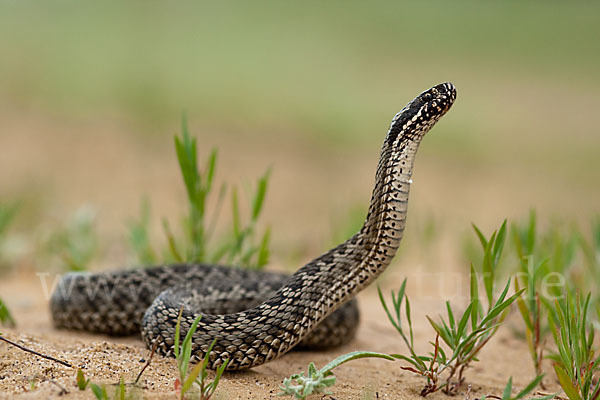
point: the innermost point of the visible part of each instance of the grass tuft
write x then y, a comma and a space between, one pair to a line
198, 375
101, 392
508, 389
241, 246
463, 335
575, 362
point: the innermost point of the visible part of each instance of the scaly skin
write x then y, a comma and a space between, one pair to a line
256, 317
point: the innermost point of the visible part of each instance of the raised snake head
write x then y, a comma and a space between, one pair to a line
418, 116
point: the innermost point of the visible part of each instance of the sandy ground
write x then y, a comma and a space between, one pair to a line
106, 359
51, 160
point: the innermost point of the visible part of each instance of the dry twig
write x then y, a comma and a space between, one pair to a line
66, 364
147, 363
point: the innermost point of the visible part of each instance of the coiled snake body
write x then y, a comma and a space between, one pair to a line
258, 316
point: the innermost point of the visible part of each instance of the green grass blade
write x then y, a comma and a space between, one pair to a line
99, 392
442, 332
531, 232
474, 299
185, 148
120, 390
263, 250
397, 301
565, 383
500, 307
450, 333
177, 333
191, 378
507, 390
387, 311
480, 236
235, 212
82, 383
488, 270
211, 167
409, 320
525, 313
503, 294
499, 243
417, 365
451, 320
207, 355
353, 356
218, 373
529, 388
259, 198
171, 241
463, 321
186, 345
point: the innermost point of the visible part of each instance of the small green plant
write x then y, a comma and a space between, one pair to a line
82, 383
32, 384
198, 375
429, 366
576, 365
317, 381
551, 255
463, 336
120, 393
507, 393
101, 392
6, 317
463, 340
240, 247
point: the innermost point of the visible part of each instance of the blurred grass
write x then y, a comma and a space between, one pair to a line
307, 67
312, 79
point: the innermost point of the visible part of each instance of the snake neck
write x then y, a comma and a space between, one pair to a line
383, 229
358, 261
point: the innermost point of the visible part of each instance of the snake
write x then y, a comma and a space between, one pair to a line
252, 317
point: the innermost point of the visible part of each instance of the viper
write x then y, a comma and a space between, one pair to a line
258, 316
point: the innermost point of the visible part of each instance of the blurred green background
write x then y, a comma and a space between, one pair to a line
92, 92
